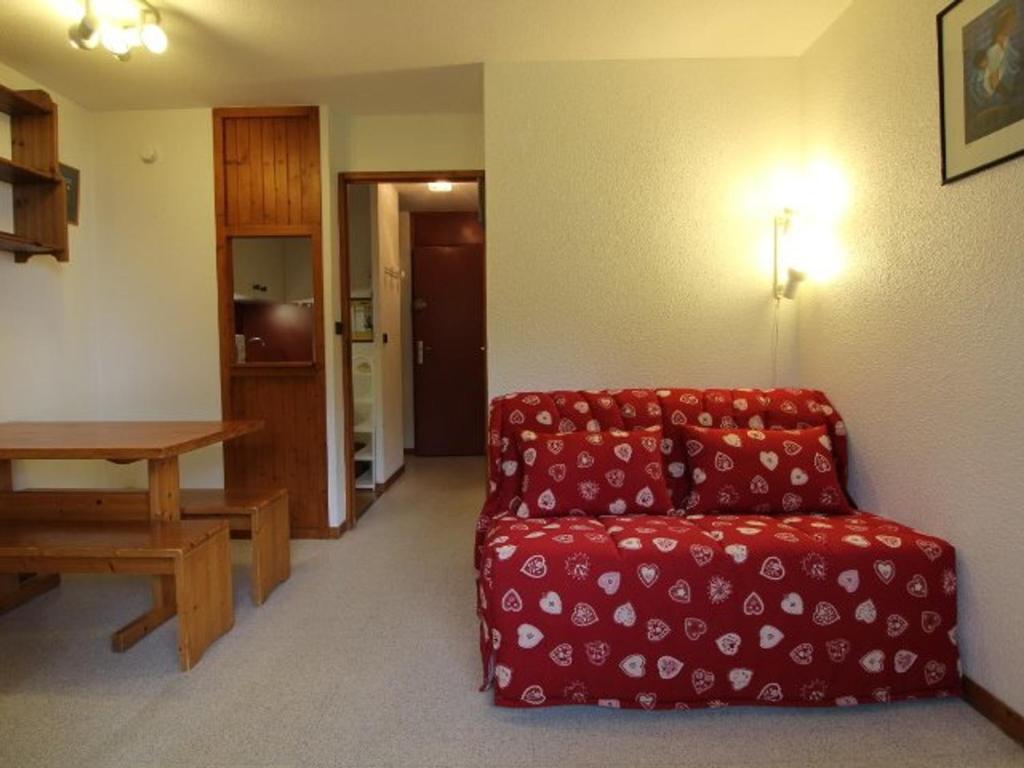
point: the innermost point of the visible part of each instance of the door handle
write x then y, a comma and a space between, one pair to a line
419, 353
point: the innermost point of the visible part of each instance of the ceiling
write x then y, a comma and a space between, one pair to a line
381, 56
416, 197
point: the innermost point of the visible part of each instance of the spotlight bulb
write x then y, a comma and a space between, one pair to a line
154, 38
85, 34
115, 40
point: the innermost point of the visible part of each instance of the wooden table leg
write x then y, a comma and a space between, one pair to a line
17, 589
164, 504
164, 489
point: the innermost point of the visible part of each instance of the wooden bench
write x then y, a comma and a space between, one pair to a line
264, 515
191, 561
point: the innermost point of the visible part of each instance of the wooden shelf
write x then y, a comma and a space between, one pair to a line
16, 173
22, 245
365, 481
18, 103
40, 195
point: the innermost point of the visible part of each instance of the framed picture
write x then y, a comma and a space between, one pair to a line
362, 319
981, 85
71, 181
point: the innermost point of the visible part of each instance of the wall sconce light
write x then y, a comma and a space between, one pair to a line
784, 289
120, 28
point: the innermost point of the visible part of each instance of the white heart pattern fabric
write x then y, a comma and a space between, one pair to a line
551, 603
583, 615
609, 582
730, 595
669, 667
529, 636
648, 574
625, 615
634, 665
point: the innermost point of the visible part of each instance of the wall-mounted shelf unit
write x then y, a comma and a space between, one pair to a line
33, 170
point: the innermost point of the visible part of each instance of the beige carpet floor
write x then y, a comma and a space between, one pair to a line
368, 657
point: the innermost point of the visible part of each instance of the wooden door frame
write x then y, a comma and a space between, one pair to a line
345, 308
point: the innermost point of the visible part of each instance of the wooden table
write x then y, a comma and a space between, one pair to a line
159, 443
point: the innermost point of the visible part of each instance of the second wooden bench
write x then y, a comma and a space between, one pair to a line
261, 515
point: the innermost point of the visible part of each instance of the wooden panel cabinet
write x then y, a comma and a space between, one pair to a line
267, 176
271, 163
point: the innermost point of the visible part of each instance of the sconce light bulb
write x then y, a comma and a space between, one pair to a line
793, 283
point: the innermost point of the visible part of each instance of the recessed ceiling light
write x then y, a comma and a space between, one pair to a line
439, 186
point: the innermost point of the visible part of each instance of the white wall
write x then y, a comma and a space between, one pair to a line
48, 318
298, 269
333, 355
407, 142
628, 226
387, 310
126, 329
359, 237
919, 339
156, 267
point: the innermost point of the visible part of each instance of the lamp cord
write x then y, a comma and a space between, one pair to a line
775, 343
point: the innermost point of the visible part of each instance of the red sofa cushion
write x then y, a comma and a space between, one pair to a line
595, 410
762, 472
661, 612
592, 473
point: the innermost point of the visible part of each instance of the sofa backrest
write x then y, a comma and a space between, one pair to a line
570, 411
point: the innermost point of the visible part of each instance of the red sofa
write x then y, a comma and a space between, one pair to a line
676, 611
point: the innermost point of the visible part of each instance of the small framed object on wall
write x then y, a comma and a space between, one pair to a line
362, 319
981, 85
71, 181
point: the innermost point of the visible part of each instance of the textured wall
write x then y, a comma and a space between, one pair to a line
48, 364
919, 340
156, 267
387, 315
629, 221
407, 142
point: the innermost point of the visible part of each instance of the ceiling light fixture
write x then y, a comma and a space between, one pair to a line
440, 186
119, 27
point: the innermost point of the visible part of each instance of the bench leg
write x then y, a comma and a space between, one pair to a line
271, 550
18, 589
205, 605
164, 607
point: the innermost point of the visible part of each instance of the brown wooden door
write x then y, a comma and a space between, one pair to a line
449, 339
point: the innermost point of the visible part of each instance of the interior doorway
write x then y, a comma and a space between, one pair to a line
412, 261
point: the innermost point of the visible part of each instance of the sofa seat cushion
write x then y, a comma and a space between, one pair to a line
661, 612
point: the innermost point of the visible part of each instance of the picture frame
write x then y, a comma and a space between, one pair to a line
72, 182
362, 319
981, 85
